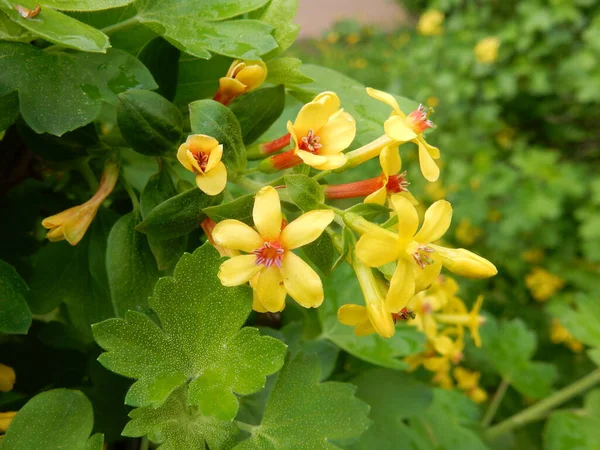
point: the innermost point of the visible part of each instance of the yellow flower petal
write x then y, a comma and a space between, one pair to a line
311, 159
465, 263
201, 143
230, 87
7, 378
377, 248
314, 115
397, 129
443, 345
429, 168
379, 196
5, 420
436, 222
385, 98
402, 287
390, 161
338, 133
329, 99
267, 213
182, 156
306, 228
193, 162
238, 270
214, 157
236, 235
301, 281
214, 181
433, 151
74, 228
425, 277
253, 75
256, 304
352, 315
364, 329
408, 219
334, 161
270, 290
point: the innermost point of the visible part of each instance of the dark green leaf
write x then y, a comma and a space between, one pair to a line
162, 60
320, 252
59, 92
258, 110
132, 270
200, 341
286, 71
9, 109
177, 216
53, 420
190, 86
15, 316
305, 192
239, 209
160, 188
348, 242
11, 31
213, 119
149, 123
280, 14
303, 413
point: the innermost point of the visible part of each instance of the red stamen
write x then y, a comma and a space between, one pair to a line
202, 159
310, 142
356, 189
397, 183
271, 253
418, 120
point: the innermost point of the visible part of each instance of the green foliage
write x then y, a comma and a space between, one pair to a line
305, 192
15, 316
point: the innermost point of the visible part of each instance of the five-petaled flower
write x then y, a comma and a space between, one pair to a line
242, 77
269, 255
202, 155
409, 128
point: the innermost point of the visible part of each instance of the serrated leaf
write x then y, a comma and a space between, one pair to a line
200, 341
162, 60
159, 189
53, 420
15, 316
280, 14
320, 252
178, 215
131, 268
238, 209
257, 111
305, 192
286, 71
213, 119
59, 92
149, 123
303, 413
58, 28
175, 426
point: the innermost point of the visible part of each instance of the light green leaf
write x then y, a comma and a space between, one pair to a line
58, 28
200, 341
238, 209
132, 270
280, 14
11, 31
286, 71
201, 9
176, 426
85, 5
303, 413
15, 316
59, 92
53, 420
581, 318
305, 192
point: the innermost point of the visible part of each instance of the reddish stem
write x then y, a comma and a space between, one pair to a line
285, 160
275, 145
221, 99
357, 189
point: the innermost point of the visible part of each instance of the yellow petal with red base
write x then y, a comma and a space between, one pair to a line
397, 129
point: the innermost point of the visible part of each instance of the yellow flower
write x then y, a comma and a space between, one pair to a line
471, 320
242, 77
404, 128
393, 182
7, 378
486, 50
332, 37
560, 335
468, 381
432, 101
533, 255
466, 233
202, 155
436, 190
270, 257
72, 223
5, 420
543, 284
431, 23
322, 131
353, 38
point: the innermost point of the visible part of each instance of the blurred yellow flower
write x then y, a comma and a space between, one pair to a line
533, 255
466, 233
486, 50
432, 101
543, 284
431, 23
468, 382
506, 137
202, 155
353, 38
277, 269
332, 37
242, 77
471, 320
7, 378
560, 335
5, 420
436, 190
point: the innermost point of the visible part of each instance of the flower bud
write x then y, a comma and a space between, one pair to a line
242, 77
465, 263
486, 50
7, 378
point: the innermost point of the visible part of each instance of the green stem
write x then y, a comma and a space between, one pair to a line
244, 426
121, 26
132, 195
88, 174
145, 443
248, 184
322, 174
540, 409
493, 408
250, 171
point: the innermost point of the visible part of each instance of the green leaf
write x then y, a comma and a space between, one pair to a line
370, 211
200, 341
582, 318
190, 26
86, 5
15, 316
239, 209
286, 71
9, 109
59, 92
53, 420
257, 111
348, 242
132, 270
213, 119
150, 124
162, 60
393, 397
305, 192
10, 31
303, 413
58, 28
178, 215
280, 14
176, 426
160, 188
320, 252
370, 114
341, 287
190, 86
72, 145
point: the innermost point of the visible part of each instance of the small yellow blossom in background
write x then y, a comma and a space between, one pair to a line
533, 255
543, 284
277, 269
431, 23
242, 77
560, 335
468, 382
202, 155
353, 38
5, 420
486, 50
506, 137
466, 233
401, 40
436, 190
358, 63
332, 37
7, 378
475, 183
494, 215
71, 224
432, 102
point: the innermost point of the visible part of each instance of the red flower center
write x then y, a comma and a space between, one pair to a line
271, 253
403, 314
202, 159
418, 121
397, 183
310, 142
423, 256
